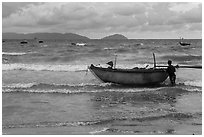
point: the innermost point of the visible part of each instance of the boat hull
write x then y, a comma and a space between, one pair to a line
184, 44
130, 76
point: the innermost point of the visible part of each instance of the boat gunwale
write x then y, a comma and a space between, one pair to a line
136, 70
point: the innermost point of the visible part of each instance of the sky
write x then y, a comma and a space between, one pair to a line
135, 20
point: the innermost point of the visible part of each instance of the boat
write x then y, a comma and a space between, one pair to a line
24, 42
184, 43
74, 44
135, 76
40, 41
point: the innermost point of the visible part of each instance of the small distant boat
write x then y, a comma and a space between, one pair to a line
40, 41
24, 42
184, 43
74, 44
135, 76
78, 44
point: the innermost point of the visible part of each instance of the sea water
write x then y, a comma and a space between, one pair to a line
47, 88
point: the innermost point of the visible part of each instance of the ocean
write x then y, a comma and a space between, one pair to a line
47, 89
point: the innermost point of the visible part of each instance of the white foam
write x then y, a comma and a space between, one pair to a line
27, 88
19, 85
14, 53
99, 131
41, 67
107, 48
81, 44
193, 89
193, 83
62, 91
29, 85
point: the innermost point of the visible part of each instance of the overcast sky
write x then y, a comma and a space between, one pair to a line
96, 20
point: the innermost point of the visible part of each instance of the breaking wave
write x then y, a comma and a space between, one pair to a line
14, 53
88, 88
193, 83
41, 67
60, 67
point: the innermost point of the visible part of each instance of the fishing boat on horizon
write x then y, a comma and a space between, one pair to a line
40, 41
183, 43
24, 42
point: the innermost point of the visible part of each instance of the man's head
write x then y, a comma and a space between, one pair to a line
169, 62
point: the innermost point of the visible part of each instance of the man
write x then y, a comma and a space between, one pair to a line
170, 70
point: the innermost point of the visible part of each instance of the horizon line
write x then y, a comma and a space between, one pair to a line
94, 38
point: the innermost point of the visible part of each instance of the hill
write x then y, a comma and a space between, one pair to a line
115, 37
68, 36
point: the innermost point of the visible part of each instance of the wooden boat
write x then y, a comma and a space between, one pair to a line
135, 76
184, 44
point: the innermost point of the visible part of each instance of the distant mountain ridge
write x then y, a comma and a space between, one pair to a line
115, 37
68, 36
56, 36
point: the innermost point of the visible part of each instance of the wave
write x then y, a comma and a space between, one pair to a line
89, 88
54, 88
99, 131
65, 67
19, 85
110, 48
193, 83
50, 124
40, 85
41, 67
62, 67
14, 53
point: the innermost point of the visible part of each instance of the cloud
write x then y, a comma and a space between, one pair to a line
101, 17
195, 27
193, 16
128, 9
10, 7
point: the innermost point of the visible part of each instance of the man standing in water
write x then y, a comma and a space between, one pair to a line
170, 70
